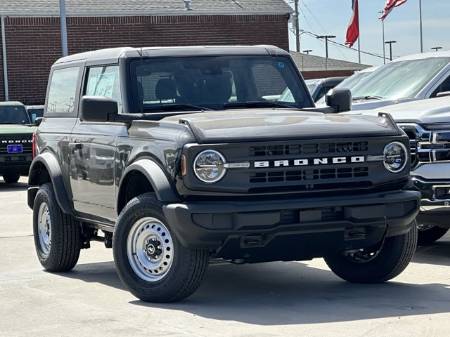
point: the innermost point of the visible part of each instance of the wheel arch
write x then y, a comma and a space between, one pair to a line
141, 172
46, 169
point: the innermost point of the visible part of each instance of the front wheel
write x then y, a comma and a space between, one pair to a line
429, 234
376, 265
57, 236
11, 178
149, 259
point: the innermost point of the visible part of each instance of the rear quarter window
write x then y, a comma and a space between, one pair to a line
63, 90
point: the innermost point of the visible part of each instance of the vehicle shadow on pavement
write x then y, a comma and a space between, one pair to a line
20, 186
289, 293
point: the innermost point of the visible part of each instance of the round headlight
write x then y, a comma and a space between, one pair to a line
395, 157
209, 166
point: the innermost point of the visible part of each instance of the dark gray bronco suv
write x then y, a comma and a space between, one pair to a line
175, 156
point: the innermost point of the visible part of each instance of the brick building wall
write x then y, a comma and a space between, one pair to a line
309, 75
33, 44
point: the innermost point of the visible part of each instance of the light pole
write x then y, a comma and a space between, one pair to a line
436, 48
421, 26
326, 37
62, 19
297, 26
390, 43
384, 39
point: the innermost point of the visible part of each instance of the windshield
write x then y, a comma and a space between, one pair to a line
13, 115
219, 82
398, 80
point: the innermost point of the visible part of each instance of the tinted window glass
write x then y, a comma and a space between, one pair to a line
104, 81
215, 82
13, 115
62, 93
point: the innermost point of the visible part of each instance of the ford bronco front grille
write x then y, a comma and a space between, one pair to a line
22, 142
304, 149
309, 175
303, 166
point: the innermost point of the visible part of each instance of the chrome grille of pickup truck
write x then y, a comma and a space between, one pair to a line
427, 145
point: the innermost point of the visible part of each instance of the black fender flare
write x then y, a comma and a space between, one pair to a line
50, 162
164, 190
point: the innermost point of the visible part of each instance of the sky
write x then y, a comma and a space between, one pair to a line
331, 17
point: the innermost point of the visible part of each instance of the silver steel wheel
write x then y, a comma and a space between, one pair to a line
150, 249
44, 229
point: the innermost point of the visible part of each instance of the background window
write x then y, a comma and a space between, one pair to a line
63, 89
104, 81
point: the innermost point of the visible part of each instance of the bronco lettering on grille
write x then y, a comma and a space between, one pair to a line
309, 162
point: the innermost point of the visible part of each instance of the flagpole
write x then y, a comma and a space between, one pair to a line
421, 26
359, 39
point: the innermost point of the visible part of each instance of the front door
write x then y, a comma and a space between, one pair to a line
93, 148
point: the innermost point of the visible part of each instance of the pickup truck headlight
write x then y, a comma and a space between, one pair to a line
209, 166
395, 157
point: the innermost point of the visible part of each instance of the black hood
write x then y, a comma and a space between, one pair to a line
280, 124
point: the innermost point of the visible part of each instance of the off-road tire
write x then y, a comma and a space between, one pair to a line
431, 235
11, 178
188, 267
392, 259
65, 234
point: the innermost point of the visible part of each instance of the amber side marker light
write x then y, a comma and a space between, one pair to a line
183, 165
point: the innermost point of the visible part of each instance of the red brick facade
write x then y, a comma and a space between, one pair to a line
33, 44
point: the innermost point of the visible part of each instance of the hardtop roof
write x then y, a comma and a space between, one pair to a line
129, 52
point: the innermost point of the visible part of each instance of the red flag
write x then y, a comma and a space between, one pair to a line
390, 5
353, 27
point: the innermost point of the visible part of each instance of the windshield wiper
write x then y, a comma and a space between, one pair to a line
171, 107
368, 98
259, 104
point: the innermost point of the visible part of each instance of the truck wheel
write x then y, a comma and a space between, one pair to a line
149, 259
57, 237
11, 178
376, 265
429, 234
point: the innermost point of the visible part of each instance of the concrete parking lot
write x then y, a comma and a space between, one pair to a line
276, 299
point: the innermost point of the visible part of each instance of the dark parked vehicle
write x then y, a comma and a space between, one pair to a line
16, 134
180, 155
319, 87
35, 111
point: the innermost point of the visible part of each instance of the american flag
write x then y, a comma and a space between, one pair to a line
390, 5
353, 27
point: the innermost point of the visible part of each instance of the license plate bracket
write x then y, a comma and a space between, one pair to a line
14, 148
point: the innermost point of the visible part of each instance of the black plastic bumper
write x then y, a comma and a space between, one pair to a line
310, 227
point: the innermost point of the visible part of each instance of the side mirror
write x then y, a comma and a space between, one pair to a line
443, 94
98, 109
339, 99
37, 121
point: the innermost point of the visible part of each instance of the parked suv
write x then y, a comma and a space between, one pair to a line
180, 155
16, 134
427, 123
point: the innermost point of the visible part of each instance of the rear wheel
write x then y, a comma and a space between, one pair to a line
378, 264
57, 236
150, 260
11, 178
429, 234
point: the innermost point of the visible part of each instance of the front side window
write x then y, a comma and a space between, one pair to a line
215, 82
13, 115
399, 80
104, 81
63, 90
